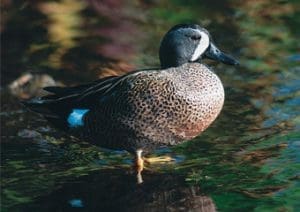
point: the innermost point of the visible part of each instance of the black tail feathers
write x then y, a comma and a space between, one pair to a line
43, 107
54, 111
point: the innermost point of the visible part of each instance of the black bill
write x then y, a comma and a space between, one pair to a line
214, 53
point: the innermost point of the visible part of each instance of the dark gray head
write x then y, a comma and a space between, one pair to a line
186, 43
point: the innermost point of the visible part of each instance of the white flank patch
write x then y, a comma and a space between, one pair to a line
202, 46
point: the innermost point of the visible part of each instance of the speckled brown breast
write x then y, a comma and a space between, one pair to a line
157, 107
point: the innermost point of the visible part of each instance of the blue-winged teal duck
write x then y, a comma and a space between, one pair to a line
147, 108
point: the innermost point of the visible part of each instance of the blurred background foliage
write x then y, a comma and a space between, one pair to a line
110, 37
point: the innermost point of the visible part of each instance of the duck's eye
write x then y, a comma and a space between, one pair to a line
195, 37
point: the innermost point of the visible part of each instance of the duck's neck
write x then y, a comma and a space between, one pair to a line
169, 63
169, 57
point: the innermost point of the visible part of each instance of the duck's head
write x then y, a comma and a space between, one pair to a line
186, 43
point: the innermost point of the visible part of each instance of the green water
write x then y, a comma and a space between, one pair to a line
248, 160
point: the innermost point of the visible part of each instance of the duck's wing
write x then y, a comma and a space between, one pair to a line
63, 100
58, 106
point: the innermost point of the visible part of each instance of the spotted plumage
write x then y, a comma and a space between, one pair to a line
149, 108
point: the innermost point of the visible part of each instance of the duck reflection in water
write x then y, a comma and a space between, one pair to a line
145, 109
159, 192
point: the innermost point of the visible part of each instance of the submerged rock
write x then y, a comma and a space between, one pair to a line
25, 133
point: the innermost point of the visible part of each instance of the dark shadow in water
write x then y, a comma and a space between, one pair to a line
117, 190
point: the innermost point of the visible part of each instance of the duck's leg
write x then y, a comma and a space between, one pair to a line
161, 159
139, 164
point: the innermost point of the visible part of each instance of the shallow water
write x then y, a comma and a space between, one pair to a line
247, 160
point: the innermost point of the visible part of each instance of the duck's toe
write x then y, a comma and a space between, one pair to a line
160, 159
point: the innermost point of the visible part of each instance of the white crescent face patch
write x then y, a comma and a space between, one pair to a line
202, 46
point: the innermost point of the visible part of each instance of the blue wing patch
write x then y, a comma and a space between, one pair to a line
75, 119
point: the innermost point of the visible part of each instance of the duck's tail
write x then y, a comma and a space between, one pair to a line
40, 106
54, 110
